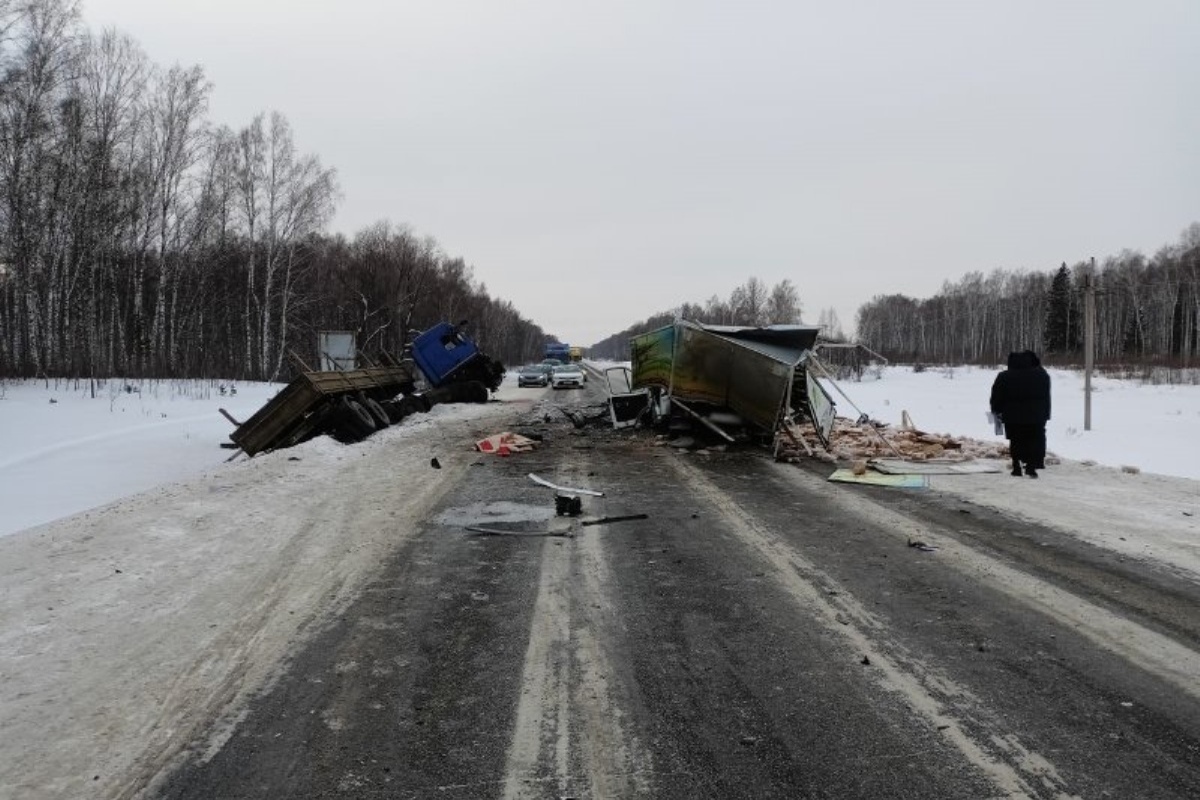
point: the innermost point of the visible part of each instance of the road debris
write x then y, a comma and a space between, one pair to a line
567, 505
563, 489
506, 443
606, 520
505, 532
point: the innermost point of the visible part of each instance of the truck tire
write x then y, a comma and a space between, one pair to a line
352, 422
377, 413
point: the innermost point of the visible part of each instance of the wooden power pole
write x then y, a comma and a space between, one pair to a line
1089, 342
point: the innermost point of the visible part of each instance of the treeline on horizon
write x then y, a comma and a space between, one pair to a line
139, 239
1147, 312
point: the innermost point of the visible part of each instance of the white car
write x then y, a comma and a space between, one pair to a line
567, 376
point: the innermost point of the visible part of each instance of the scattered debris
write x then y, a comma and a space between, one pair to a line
922, 546
876, 442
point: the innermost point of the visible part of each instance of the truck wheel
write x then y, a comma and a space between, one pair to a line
352, 422
377, 413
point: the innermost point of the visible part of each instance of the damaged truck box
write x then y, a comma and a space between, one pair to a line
758, 373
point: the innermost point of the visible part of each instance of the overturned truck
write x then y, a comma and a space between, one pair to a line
706, 372
442, 364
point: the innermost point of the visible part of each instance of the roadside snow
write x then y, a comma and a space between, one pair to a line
126, 628
67, 446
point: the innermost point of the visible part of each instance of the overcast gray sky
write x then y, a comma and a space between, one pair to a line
597, 162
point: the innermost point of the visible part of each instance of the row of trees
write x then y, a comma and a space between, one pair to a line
137, 238
751, 303
1147, 311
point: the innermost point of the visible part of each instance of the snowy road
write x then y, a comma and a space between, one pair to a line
762, 633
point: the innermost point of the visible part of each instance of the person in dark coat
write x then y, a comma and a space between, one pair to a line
1021, 398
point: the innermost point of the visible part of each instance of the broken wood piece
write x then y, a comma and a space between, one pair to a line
789, 429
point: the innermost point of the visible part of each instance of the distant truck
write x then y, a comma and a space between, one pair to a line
558, 350
352, 404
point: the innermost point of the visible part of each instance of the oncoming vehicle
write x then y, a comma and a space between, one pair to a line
566, 376
533, 375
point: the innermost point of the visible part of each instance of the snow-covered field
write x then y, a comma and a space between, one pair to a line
66, 446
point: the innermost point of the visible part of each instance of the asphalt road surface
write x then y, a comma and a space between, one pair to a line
760, 633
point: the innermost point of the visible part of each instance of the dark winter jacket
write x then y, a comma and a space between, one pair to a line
1021, 393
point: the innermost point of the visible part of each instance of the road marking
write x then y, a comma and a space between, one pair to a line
1153, 652
568, 676
542, 720
895, 669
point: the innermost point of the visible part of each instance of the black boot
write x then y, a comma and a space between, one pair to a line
1016, 470
1031, 472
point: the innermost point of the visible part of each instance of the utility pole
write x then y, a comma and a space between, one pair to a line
1089, 342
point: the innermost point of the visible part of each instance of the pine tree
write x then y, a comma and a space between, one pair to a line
1060, 335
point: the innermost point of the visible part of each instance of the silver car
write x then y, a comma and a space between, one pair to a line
534, 375
567, 376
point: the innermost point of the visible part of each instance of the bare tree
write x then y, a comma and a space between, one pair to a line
831, 326
783, 305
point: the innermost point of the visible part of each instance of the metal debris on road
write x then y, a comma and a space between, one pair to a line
606, 520
503, 532
563, 489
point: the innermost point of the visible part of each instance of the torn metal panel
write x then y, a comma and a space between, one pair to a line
625, 405
820, 408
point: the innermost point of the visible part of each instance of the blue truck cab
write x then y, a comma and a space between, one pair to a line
444, 353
